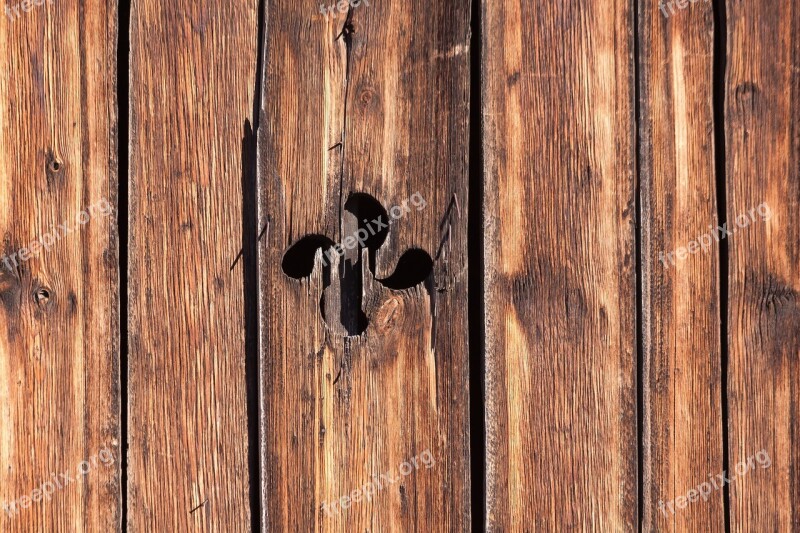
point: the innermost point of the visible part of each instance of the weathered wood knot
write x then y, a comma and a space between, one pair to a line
41, 296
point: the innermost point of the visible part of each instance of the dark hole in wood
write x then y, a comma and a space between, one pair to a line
298, 261
372, 228
41, 296
52, 168
413, 268
351, 315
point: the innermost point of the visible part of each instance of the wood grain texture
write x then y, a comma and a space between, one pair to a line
59, 343
682, 361
762, 120
192, 79
381, 109
560, 265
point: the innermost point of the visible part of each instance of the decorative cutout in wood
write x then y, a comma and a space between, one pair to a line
371, 231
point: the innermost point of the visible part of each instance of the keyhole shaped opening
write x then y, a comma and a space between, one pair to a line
367, 226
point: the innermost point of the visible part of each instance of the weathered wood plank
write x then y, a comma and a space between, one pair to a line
192, 81
762, 119
682, 407
560, 265
59, 280
359, 111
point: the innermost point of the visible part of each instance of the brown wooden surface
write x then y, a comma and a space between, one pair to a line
59, 342
381, 110
560, 265
682, 362
762, 120
259, 140
192, 77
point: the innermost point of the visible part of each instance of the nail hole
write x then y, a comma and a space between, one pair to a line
52, 167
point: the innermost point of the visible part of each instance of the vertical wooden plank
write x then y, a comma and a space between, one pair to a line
191, 91
762, 119
362, 110
59, 281
682, 395
560, 265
